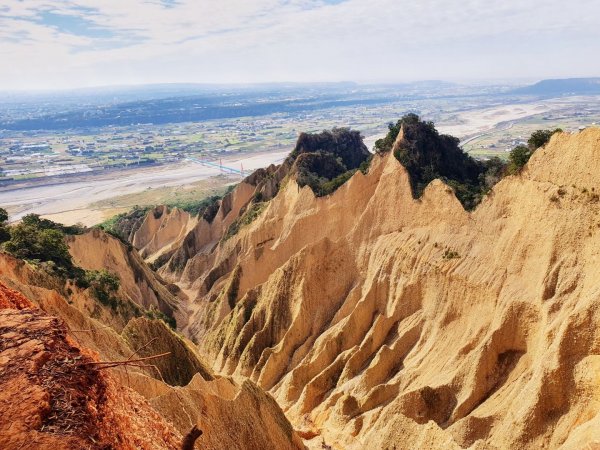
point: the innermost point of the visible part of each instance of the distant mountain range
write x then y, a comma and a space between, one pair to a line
563, 86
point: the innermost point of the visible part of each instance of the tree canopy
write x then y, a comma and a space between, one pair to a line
4, 231
324, 161
520, 155
426, 154
30, 241
518, 158
539, 138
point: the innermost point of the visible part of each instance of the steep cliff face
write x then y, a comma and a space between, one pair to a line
182, 247
53, 396
162, 231
96, 250
379, 320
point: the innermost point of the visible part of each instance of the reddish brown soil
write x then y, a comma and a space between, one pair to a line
13, 299
48, 392
52, 396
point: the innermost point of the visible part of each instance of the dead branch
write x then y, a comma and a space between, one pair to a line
133, 354
90, 330
126, 362
142, 347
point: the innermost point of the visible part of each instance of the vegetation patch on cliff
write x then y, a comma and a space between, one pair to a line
325, 161
124, 225
520, 155
42, 244
103, 285
206, 207
252, 212
426, 154
41, 241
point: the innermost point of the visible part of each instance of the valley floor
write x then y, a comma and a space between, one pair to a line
70, 202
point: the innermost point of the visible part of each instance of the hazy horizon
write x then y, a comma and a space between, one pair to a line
55, 45
239, 85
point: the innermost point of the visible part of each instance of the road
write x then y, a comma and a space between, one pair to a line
493, 130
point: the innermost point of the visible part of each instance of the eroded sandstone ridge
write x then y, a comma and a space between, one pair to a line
378, 320
56, 391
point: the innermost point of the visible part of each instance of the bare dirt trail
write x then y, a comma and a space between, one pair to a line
53, 396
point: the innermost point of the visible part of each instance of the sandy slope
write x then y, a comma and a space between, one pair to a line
148, 407
380, 321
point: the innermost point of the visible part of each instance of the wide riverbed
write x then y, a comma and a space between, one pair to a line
72, 196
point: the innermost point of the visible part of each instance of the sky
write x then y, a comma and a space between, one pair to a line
58, 44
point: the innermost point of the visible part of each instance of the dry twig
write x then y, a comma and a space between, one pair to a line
127, 362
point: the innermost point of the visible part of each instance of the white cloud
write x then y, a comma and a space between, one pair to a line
276, 40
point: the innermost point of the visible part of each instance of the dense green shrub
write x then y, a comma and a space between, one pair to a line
4, 230
103, 286
428, 155
42, 242
123, 225
386, 144
539, 138
4, 233
520, 155
46, 224
31, 240
342, 143
330, 186
320, 164
326, 160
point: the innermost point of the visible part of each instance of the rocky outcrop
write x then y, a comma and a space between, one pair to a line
382, 321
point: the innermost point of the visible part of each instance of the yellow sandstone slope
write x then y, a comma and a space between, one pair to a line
148, 407
162, 231
381, 321
96, 250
